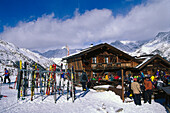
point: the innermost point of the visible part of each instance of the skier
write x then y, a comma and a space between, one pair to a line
6, 76
136, 91
83, 80
148, 89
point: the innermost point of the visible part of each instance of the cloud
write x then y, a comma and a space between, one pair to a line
47, 32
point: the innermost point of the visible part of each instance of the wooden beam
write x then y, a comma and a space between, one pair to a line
116, 59
122, 86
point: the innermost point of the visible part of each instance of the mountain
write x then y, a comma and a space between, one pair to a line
10, 52
57, 53
128, 46
159, 45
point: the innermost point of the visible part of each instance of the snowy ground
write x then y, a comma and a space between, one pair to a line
92, 102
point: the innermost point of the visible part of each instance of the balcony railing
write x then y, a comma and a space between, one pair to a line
99, 66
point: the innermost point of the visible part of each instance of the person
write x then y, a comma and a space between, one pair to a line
136, 91
6, 76
62, 81
111, 77
106, 77
148, 90
116, 77
152, 79
142, 75
100, 78
83, 80
140, 79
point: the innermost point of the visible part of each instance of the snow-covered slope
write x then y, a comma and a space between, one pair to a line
128, 46
159, 45
9, 51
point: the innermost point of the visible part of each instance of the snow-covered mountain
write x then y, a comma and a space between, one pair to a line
128, 46
159, 45
9, 51
57, 53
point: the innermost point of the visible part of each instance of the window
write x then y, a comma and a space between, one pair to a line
106, 60
94, 60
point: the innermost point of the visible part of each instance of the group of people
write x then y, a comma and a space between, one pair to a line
137, 91
140, 85
144, 85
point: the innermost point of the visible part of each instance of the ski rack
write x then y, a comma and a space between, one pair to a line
39, 79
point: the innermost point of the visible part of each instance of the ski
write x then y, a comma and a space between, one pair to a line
33, 80
32, 85
19, 80
72, 85
54, 78
60, 78
48, 82
1, 85
25, 79
68, 79
41, 91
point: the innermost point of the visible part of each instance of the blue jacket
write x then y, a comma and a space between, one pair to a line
6, 73
62, 75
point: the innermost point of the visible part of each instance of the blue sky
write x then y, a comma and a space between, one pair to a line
77, 23
13, 11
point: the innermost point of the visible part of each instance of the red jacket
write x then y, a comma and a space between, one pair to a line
148, 84
116, 77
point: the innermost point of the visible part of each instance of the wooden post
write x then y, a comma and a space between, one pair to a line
122, 86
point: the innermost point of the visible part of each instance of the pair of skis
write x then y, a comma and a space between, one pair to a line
70, 76
33, 79
22, 80
51, 81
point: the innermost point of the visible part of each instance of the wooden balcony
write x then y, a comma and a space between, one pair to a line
104, 66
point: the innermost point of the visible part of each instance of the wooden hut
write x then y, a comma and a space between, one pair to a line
154, 64
97, 60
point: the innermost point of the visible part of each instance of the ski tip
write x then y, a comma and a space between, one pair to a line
11, 88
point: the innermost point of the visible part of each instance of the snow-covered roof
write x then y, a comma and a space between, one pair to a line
151, 58
147, 59
91, 48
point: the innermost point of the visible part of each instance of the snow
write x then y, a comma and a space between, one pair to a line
143, 62
127, 42
92, 102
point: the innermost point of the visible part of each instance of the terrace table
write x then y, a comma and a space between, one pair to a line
167, 97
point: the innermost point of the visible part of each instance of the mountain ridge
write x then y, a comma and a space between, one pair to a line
9, 51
